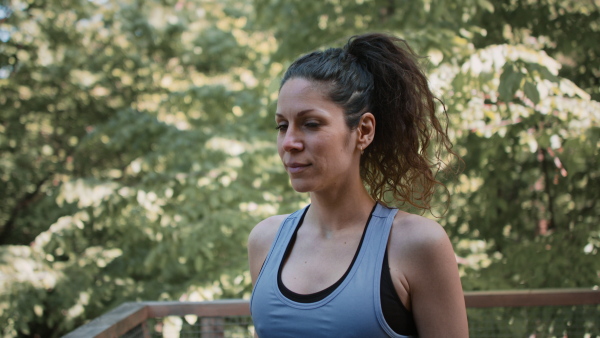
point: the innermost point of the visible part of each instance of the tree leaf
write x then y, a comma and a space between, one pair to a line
531, 92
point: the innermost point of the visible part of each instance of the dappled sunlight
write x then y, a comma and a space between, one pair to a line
20, 264
475, 255
231, 147
85, 193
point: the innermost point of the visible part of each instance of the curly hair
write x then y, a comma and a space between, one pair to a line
380, 73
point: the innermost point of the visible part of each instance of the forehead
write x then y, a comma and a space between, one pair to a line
299, 94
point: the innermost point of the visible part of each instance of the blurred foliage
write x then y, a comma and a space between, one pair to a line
137, 148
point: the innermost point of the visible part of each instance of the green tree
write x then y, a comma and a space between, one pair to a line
134, 156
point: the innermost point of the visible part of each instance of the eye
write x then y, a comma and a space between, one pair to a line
281, 127
311, 124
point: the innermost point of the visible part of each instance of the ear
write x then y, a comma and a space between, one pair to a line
366, 131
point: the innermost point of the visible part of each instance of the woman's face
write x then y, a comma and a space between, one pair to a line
317, 148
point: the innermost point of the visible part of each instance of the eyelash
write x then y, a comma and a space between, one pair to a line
282, 127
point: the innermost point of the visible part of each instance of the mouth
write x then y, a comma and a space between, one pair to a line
294, 168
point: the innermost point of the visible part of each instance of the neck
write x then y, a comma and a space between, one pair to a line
346, 208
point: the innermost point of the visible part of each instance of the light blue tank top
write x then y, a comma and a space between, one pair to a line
353, 309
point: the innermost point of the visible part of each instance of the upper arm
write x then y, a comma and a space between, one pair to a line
259, 243
431, 272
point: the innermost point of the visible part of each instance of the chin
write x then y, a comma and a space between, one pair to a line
300, 186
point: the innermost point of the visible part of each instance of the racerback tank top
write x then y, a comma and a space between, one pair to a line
353, 309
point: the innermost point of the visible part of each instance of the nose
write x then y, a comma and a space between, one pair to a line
292, 140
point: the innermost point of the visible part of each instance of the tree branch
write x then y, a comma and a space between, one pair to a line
547, 189
8, 227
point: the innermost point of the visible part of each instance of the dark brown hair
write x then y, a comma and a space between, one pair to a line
380, 73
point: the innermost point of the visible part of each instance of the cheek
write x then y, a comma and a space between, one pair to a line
332, 150
340, 145
280, 146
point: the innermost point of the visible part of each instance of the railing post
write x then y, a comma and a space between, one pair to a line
212, 327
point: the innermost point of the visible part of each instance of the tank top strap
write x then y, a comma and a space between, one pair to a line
383, 219
377, 235
381, 225
282, 238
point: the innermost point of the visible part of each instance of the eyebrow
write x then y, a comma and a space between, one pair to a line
300, 113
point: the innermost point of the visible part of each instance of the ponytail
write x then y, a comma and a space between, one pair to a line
380, 73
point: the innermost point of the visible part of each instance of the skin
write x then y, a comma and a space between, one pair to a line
322, 155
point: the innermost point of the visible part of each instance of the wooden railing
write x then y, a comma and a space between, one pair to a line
130, 315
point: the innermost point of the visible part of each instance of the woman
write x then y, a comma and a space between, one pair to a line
347, 265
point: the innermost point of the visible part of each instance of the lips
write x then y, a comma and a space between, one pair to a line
294, 168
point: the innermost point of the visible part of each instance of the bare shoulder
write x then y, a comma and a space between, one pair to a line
416, 232
264, 232
419, 244
259, 242
422, 258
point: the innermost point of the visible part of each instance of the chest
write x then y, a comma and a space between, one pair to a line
313, 264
